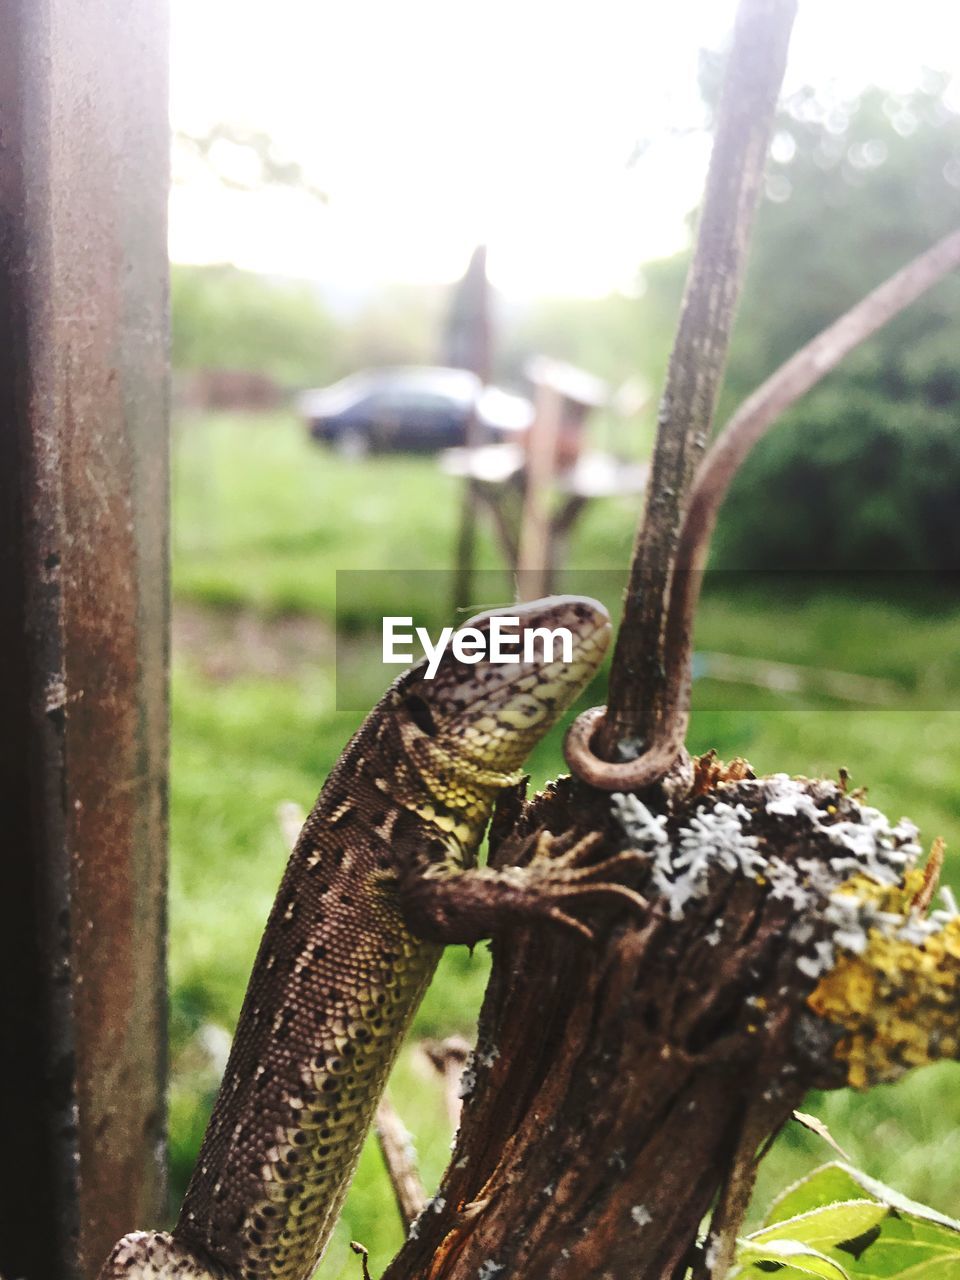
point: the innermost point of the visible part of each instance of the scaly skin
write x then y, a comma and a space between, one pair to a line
384, 863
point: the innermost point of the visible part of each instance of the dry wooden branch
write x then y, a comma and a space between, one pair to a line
400, 1159
619, 1087
744, 123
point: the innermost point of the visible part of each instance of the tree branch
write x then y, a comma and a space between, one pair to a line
622, 1087
396, 1147
744, 123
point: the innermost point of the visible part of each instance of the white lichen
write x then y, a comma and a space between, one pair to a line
787, 884
863, 840
645, 829
713, 838
820, 962
715, 935
468, 1078
641, 1215
711, 1252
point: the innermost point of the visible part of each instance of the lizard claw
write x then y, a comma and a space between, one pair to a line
571, 874
561, 878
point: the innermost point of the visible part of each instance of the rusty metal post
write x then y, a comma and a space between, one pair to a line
83, 627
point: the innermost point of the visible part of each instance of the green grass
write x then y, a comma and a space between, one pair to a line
263, 520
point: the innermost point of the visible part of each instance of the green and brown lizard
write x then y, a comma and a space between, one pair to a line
383, 874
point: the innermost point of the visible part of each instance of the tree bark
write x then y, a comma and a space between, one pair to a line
614, 1083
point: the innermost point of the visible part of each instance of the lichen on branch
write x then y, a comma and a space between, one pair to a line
613, 1080
894, 991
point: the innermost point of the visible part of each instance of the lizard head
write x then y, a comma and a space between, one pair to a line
470, 727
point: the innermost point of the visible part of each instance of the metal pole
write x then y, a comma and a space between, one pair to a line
83, 627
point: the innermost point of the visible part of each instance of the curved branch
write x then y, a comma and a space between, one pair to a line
751, 421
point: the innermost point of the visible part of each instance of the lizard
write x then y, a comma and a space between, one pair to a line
384, 873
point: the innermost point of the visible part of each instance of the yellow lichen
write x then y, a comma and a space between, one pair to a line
897, 1003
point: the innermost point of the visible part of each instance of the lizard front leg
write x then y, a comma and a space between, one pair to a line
448, 904
156, 1255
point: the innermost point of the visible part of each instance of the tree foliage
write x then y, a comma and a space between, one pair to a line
224, 318
864, 473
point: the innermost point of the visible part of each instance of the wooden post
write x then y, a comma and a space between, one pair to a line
83, 585
564, 398
533, 567
467, 346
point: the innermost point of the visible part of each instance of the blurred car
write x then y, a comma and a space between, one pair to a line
416, 409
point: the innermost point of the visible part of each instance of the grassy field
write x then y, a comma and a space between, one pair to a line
262, 522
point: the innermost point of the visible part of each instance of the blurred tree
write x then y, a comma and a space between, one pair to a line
224, 318
466, 340
865, 472
228, 319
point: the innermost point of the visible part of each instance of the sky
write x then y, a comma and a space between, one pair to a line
434, 125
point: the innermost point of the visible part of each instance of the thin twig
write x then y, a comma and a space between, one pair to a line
794, 379
744, 124
400, 1159
363, 1253
721, 1243
931, 877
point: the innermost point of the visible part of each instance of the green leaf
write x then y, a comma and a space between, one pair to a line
867, 1230
829, 1184
826, 1227
840, 1181
787, 1258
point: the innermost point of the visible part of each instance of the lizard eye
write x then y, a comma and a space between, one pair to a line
420, 714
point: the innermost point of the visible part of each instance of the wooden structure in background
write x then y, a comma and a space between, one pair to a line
83, 586
467, 344
563, 398
535, 492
